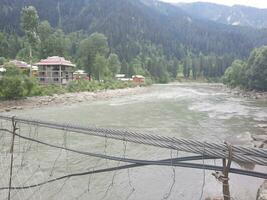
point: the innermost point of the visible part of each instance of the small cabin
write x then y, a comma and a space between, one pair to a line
138, 79
55, 70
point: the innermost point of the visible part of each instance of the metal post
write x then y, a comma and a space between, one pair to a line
14, 125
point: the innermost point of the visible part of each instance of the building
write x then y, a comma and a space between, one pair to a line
80, 75
138, 79
25, 67
20, 64
2, 71
122, 77
55, 70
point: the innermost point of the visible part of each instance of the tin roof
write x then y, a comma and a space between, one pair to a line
138, 76
55, 60
120, 76
20, 64
79, 72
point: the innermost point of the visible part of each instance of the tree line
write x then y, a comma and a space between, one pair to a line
95, 55
250, 74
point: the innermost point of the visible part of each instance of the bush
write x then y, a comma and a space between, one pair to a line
251, 75
11, 87
82, 85
235, 75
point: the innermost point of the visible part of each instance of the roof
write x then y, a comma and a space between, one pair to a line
138, 76
120, 75
126, 79
34, 68
55, 60
79, 72
2, 69
20, 64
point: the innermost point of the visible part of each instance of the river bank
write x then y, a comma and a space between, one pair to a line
246, 93
66, 99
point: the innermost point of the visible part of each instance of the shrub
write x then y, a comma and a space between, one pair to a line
11, 87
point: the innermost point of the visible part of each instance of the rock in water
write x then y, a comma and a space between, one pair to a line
262, 125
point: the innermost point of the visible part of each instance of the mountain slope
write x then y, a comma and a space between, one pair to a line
236, 15
130, 24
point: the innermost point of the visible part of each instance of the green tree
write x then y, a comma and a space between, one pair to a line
125, 68
3, 45
29, 24
235, 75
187, 65
88, 49
45, 31
257, 69
114, 64
99, 68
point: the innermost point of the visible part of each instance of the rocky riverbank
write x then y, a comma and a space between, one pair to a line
66, 99
247, 94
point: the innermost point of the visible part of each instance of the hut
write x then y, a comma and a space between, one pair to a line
55, 70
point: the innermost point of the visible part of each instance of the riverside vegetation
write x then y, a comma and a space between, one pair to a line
15, 85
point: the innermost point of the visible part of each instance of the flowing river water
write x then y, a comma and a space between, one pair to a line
203, 112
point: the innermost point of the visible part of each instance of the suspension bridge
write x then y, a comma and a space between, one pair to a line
24, 140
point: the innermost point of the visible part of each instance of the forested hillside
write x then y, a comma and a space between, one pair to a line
151, 38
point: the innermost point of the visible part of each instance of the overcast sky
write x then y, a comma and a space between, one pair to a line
253, 3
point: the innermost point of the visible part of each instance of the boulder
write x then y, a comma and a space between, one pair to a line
7, 109
262, 138
262, 192
258, 144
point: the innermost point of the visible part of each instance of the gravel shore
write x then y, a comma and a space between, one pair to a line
247, 94
66, 99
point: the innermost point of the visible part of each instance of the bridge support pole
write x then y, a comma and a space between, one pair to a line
225, 181
14, 126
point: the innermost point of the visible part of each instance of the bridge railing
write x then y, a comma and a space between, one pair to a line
202, 150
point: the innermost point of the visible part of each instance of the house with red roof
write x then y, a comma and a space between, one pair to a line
55, 70
20, 64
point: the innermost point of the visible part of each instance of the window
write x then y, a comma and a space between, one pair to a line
55, 67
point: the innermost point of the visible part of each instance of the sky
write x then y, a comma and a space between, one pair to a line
253, 3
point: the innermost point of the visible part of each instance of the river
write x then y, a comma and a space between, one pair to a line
203, 112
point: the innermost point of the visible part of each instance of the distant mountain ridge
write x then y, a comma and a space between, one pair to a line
236, 15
